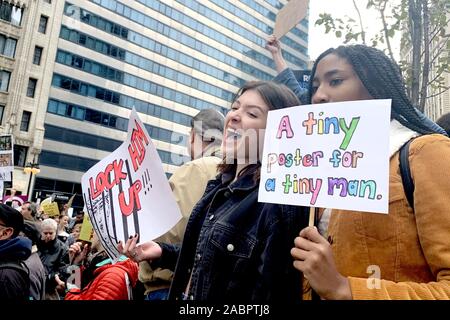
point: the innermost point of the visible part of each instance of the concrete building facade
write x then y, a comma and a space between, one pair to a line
28, 40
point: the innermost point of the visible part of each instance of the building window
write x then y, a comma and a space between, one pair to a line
48, 1
10, 13
37, 55
20, 155
31, 89
43, 24
2, 110
4, 80
7, 46
25, 123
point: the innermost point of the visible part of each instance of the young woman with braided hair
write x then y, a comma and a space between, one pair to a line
406, 253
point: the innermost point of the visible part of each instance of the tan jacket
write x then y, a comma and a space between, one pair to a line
188, 184
410, 250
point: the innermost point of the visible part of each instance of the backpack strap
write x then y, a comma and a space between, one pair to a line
405, 172
16, 265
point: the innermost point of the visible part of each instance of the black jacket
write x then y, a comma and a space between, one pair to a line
55, 258
238, 248
14, 276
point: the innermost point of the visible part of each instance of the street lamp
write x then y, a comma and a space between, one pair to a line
32, 168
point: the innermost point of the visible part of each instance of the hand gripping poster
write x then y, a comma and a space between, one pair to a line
127, 192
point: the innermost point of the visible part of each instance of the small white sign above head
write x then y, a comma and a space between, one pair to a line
289, 16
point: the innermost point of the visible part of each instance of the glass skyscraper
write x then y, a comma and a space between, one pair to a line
167, 58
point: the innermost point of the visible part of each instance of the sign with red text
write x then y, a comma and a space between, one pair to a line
333, 155
127, 192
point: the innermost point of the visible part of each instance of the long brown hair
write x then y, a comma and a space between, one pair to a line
276, 96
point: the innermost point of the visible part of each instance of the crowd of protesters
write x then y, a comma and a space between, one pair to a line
230, 246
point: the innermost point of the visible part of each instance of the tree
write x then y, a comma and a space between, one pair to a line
424, 40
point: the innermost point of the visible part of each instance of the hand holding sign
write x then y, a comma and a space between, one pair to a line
146, 251
127, 193
313, 257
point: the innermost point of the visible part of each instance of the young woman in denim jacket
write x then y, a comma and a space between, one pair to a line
401, 255
234, 247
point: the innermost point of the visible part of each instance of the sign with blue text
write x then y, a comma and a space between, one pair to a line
333, 155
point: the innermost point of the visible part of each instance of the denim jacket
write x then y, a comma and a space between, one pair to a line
236, 248
288, 78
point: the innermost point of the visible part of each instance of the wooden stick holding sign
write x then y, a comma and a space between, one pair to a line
312, 216
289, 16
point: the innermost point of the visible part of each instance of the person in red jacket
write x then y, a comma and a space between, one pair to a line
111, 282
100, 279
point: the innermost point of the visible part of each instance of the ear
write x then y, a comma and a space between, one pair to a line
6, 233
192, 136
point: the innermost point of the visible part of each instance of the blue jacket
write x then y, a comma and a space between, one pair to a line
287, 78
235, 247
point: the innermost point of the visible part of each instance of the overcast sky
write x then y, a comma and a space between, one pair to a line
318, 40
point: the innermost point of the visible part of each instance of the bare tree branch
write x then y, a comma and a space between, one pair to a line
437, 52
439, 93
363, 34
426, 60
385, 30
415, 23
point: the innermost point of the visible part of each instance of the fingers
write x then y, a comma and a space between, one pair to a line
75, 247
299, 254
272, 38
312, 234
85, 249
132, 247
129, 248
299, 265
120, 247
305, 244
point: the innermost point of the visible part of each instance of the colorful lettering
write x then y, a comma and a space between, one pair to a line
310, 123
285, 126
349, 131
270, 185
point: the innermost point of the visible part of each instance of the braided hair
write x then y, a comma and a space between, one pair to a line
382, 78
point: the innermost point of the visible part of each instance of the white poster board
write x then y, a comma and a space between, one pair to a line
333, 155
6, 157
289, 16
127, 192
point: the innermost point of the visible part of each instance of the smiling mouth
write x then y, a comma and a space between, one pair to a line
233, 134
